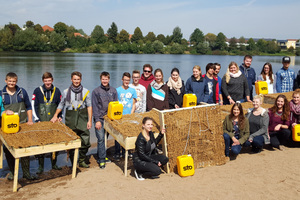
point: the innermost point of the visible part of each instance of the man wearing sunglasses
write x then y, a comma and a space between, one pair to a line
147, 76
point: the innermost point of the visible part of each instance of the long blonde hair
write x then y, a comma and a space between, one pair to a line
227, 75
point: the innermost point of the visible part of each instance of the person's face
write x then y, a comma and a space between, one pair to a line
136, 78
256, 103
211, 71
48, 83
148, 125
280, 102
236, 111
196, 73
158, 77
247, 62
126, 81
104, 81
286, 65
233, 69
175, 76
147, 72
296, 98
11, 82
266, 69
76, 81
217, 70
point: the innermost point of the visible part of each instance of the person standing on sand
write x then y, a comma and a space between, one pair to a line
285, 77
249, 72
15, 99
45, 100
147, 76
101, 97
77, 101
141, 92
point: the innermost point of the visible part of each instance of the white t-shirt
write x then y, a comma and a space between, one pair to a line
141, 92
270, 85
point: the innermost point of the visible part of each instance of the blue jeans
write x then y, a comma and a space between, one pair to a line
101, 151
228, 143
258, 142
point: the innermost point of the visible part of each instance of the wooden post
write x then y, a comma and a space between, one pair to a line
164, 144
126, 162
75, 163
1, 155
15, 186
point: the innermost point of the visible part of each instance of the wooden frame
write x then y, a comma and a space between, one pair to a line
36, 150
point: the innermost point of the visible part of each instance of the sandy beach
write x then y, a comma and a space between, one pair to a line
271, 174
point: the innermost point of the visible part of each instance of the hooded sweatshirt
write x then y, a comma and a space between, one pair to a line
157, 96
146, 81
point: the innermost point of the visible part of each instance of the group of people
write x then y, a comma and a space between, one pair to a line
147, 91
259, 126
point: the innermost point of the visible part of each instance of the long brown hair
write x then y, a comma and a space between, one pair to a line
241, 116
270, 72
285, 110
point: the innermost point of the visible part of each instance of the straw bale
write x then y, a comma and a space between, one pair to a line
270, 98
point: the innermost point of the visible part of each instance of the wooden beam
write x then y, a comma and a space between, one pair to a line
75, 163
16, 173
1, 155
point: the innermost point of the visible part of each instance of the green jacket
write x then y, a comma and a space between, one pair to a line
228, 128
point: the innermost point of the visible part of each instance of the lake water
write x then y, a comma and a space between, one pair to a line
30, 66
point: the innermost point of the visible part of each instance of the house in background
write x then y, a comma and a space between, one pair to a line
47, 28
285, 44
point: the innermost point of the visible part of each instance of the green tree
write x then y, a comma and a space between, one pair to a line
197, 37
60, 28
38, 28
168, 40
291, 49
176, 49
6, 39
112, 32
29, 24
202, 48
150, 37
13, 27
232, 44
28, 40
272, 47
221, 42
177, 35
211, 39
298, 51
261, 45
242, 40
161, 38
57, 42
148, 48
158, 46
137, 35
123, 37
251, 45
98, 36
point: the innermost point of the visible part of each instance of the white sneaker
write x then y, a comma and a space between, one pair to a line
138, 176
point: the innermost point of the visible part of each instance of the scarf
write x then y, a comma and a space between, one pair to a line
175, 85
77, 90
235, 75
295, 108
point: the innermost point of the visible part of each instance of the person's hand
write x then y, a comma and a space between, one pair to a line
59, 119
98, 125
163, 131
294, 124
235, 141
30, 122
89, 125
231, 101
221, 103
248, 99
176, 106
9, 112
277, 128
54, 119
250, 140
159, 164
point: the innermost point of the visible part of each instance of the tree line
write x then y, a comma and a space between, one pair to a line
33, 38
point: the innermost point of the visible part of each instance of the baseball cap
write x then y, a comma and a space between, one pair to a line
286, 59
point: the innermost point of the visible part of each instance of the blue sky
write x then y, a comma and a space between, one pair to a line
235, 18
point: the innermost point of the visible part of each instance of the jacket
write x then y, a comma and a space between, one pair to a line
264, 123
174, 98
228, 128
157, 96
145, 82
285, 80
22, 96
197, 87
143, 148
250, 75
215, 92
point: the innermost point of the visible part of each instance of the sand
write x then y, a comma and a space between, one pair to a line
271, 174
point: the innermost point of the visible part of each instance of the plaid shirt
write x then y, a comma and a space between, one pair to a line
285, 80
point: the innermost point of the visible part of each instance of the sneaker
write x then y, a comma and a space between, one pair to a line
107, 160
30, 178
138, 176
83, 165
117, 158
10, 176
102, 165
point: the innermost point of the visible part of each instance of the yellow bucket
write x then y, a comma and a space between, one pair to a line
115, 110
185, 165
189, 100
10, 123
296, 133
261, 87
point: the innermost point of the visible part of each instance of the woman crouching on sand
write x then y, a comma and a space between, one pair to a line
279, 122
258, 122
146, 160
295, 108
236, 130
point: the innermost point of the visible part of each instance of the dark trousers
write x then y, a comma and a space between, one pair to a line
228, 143
258, 142
149, 168
280, 137
85, 145
118, 149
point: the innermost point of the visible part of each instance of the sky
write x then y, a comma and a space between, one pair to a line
274, 19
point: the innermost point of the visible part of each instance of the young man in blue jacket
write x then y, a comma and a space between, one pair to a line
285, 77
249, 72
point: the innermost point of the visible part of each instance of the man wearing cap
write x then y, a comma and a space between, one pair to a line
285, 77
249, 72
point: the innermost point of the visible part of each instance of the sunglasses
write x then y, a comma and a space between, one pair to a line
147, 71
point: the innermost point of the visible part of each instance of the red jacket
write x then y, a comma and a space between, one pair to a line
145, 82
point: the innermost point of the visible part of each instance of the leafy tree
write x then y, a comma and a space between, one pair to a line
6, 39
202, 48
134, 48
77, 42
158, 46
262, 45
168, 40
148, 48
184, 42
221, 42
251, 45
38, 28
177, 35
197, 37
113, 32
29, 24
70, 31
150, 37
57, 41
98, 36
28, 40
232, 44
242, 40
291, 49
272, 47
176, 49
13, 27
298, 51
161, 38
123, 37
211, 39
60, 28
137, 35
